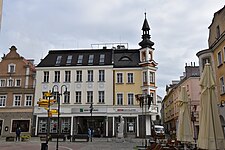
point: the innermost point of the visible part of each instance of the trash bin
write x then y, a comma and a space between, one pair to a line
44, 146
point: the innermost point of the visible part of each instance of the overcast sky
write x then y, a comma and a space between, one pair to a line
179, 28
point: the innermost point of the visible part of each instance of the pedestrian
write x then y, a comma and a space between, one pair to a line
18, 132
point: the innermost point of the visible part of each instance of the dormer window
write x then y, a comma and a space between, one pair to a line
80, 59
11, 68
90, 59
102, 59
58, 60
69, 59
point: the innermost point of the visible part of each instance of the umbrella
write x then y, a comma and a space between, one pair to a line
210, 130
185, 128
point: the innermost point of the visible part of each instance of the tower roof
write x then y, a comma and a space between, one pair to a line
146, 42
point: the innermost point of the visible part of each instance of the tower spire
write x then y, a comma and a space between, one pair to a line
146, 42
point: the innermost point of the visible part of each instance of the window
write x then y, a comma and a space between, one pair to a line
18, 82
218, 31
102, 59
152, 77
205, 61
89, 96
101, 96
28, 100
144, 76
67, 76
10, 83
131, 124
11, 68
78, 96
219, 58
224, 54
53, 125
65, 125
2, 82
23, 124
90, 59
42, 125
222, 86
2, 100
58, 60
17, 100
119, 78
119, 99
130, 100
67, 97
46, 76
90, 75
57, 76
79, 76
130, 78
101, 75
80, 59
69, 59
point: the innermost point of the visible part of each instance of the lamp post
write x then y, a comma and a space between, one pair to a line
144, 101
91, 109
59, 93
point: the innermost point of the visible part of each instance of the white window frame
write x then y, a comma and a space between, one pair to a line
11, 68
17, 102
130, 99
16, 82
119, 77
28, 99
90, 75
222, 86
89, 96
101, 96
46, 76
91, 59
80, 59
130, 77
57, 76
79, 76
2, 82
78, 97
58, 60
69, 59
152, 77
102, 59
119, 98
145, 76
67, 97
219, 58
101, 75
10, 82
3, 99
67, 76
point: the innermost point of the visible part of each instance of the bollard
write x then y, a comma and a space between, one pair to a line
44, 146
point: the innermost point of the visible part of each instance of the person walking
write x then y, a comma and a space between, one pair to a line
18, 132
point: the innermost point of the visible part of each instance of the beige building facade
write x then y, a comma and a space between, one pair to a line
17, 82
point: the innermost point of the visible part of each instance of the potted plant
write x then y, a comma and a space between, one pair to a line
25, 137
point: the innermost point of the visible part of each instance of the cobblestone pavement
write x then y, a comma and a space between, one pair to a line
97, 144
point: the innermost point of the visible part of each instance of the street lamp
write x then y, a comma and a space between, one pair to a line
144, 100
59, 93
91, 109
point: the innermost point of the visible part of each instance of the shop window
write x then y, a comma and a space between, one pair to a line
23, 124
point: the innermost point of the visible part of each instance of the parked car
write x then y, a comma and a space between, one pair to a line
159, 130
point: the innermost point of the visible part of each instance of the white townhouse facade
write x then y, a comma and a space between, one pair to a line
109, 79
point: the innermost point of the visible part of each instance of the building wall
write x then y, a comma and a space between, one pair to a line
12, 116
